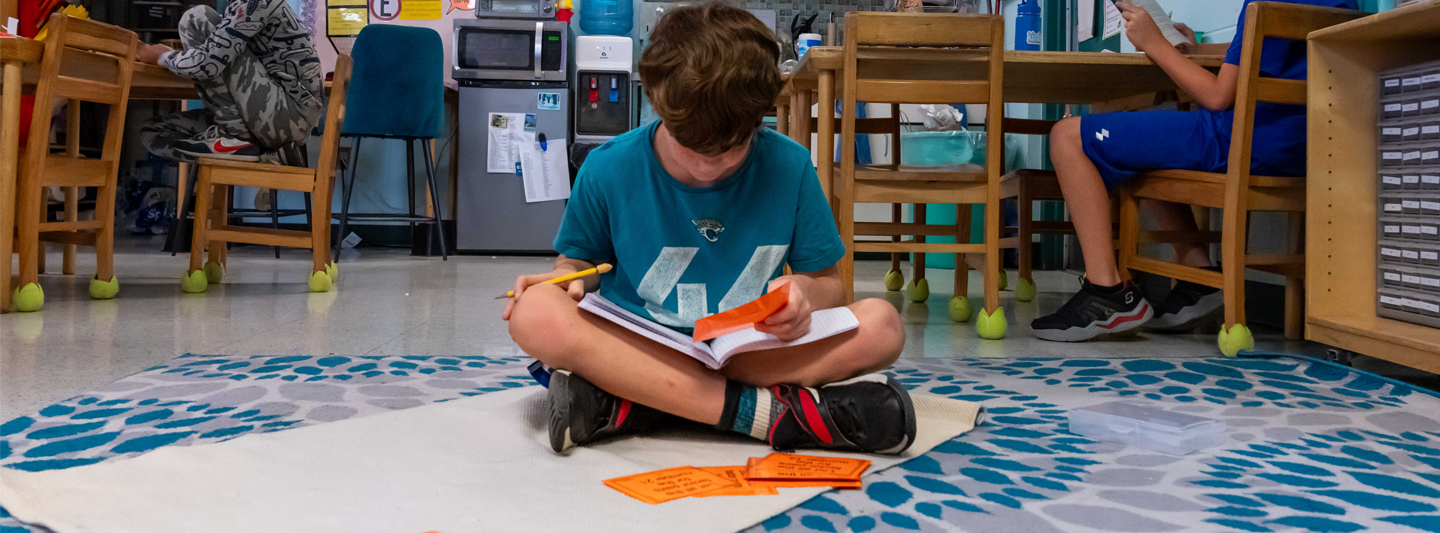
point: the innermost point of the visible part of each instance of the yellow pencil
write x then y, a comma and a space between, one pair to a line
603, 268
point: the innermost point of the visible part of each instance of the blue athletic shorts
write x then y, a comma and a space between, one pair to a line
1124, 144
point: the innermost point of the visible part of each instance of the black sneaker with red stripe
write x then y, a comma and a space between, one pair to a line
213, 143
1095, 311
581, 413
871, 413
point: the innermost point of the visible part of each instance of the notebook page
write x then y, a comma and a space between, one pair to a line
608, 310
823, 323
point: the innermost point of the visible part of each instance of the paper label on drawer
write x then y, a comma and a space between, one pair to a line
1412, 179
1430, 282
1410, 229
1392, 180
1434, 154
1430, 104
1392, 83
1391, 155
1411, 82
1391, 252
1430, 205
1407, 278
1409, 156
1430, 78
1390, 300
1392, 107
1428, 256
1429, 129
1392, 276
1392, 208
1429, 179
1390, 131
1410, 204
1392, 229
1412, 107
1409, 254
1430, 230
1408, 131
1433, 308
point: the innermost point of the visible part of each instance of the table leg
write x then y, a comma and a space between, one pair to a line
802, 128
9, 164
72, 194
782, 119
825, 132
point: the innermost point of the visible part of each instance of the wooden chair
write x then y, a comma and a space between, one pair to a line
1238, 192
84, 61
216, 176
979, 40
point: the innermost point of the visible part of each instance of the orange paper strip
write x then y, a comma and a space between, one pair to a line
662, 486
838, 484
743, 317
786, 466
737, 475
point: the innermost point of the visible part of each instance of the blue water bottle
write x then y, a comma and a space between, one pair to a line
1027, 26
606, 17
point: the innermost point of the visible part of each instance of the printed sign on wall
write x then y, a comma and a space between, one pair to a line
421, 10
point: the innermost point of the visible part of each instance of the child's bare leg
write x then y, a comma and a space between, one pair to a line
1171, 216
549, 326
1087, 200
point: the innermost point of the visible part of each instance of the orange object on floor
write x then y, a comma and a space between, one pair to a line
792, 467
737, 475
743, 317
670, 484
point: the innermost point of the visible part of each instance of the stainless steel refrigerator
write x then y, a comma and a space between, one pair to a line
492, 215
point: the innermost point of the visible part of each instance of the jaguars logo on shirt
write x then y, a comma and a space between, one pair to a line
709, 228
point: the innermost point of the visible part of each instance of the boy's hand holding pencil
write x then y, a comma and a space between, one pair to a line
565, 276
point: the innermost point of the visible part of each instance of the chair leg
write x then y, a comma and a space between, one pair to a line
895, 217
410, 181
220, 217
200, 230
1295, 286
960, 310
347, 184
919, 289
72, 213
1024, 205
435, 201
105, 234
184, 183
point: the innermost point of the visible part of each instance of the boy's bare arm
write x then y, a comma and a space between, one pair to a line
563, 265
1211, 91
809, 291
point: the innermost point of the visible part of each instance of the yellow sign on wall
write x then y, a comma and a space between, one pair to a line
345, 20
420, 10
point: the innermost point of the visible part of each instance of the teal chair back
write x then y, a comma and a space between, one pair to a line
397, 89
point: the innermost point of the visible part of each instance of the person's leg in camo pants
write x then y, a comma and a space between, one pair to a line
244, 102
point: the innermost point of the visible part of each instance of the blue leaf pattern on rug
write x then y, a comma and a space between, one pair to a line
1312, 447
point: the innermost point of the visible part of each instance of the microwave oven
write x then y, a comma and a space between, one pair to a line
507, 49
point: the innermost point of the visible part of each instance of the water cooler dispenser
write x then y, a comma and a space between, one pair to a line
601, 85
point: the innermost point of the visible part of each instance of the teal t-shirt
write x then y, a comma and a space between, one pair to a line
681, 253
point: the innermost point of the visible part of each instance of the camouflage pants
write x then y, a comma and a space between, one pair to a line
244, 101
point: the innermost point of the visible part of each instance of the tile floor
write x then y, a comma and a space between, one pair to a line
389, 303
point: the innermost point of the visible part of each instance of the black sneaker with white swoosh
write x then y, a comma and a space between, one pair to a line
212, 143
1091, 313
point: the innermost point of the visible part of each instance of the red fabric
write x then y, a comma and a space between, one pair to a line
813, 418
27, 107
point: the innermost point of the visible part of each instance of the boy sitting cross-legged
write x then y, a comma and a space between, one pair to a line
699, 212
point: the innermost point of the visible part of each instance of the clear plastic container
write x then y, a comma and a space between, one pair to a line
1147, 427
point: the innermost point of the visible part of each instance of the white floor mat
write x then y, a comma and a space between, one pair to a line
478, 464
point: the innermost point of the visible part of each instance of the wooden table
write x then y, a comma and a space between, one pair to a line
20, 58
1030, 77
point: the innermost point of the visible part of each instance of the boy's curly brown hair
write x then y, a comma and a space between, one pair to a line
711, 72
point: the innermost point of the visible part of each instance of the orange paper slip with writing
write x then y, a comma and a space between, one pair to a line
743, 317
792, 467
737, 475
662, 486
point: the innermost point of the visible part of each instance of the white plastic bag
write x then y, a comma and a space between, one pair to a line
941, 118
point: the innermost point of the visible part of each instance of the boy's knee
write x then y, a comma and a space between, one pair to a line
196, 24
542, 324
883, 331
1065, 133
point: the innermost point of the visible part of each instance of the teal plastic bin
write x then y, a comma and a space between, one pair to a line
941, 148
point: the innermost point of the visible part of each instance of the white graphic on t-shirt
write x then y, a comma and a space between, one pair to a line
692, 300
1102, 134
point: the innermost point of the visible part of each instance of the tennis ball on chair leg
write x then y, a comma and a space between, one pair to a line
894, 280
214, 272
29, 298
960, 309
919, 290
991, 326
104, 290
1025, 291
332, 269
319, 281
194, 282
1237, 338
1004, 279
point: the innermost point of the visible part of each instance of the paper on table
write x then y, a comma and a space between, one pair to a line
546, 172
506, 129
1113, 22
1085, 15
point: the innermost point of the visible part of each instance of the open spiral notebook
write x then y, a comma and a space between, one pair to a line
716, 352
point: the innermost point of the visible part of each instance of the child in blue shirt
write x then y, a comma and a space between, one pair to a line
699, 213
1097, 152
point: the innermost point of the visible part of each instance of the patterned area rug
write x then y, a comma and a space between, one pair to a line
1312, 447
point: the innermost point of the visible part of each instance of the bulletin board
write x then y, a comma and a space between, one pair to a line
437, 15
